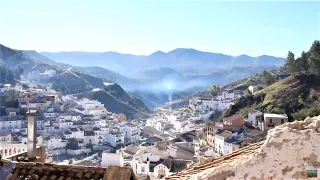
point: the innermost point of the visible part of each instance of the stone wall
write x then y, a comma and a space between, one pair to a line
288, 152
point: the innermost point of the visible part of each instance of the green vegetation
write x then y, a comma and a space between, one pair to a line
307, 63
257, 80
10, 75
261, 139
297, 96
267, 78
215, 89
9, 99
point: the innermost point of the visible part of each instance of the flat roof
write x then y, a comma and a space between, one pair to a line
275, 115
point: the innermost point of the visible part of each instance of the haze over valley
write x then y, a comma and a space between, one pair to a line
178, 73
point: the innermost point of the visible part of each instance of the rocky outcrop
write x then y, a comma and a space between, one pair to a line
288, 152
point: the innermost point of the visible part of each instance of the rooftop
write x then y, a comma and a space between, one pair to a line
234, 117
243, 153
269, 115
224, 133
131, 150
51, 171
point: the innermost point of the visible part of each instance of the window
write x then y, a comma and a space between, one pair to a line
270, 120
282, 121
142, 169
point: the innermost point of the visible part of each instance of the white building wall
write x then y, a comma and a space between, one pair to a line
219, 144
253, 116
10, 125
109, 159
79, 135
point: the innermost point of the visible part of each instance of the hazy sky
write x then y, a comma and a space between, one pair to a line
142, 27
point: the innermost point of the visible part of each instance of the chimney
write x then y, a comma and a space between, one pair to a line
32, 134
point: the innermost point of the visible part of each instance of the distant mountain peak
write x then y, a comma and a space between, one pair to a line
157, 53
243, 55
184, 50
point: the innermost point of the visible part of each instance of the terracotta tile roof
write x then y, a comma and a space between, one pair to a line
233, 158
40, 171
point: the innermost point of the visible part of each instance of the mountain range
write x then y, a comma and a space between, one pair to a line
180, 59
156, 78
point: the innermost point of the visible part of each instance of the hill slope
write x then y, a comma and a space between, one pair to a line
67, 80
14, 58
117, 100
296, 96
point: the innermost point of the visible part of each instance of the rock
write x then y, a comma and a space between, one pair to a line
287, 153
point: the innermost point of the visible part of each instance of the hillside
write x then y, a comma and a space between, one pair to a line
42, 59
68, 80
117, 100
296, 96
256, 79
111, 76
15, 58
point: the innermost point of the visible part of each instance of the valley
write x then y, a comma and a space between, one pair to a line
156, 77
159, 90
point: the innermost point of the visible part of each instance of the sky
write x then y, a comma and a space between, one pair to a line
142, 27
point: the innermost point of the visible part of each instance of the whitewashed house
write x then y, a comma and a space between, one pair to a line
253, 89
54, 142
131, 132
65, 124
115, 137
77, 133
219, 140
89, 137
254, 117
10, 124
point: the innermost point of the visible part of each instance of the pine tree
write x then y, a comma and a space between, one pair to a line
267, 78
298, 66
315, 57
291, 63
304, 63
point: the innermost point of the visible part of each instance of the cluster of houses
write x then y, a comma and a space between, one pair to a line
215, 103
235, 132
65, 124
160, 146
159, 155
38, 76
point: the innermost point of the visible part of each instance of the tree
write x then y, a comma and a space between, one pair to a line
122, 116
215, 89
290, 63
267, 78
304, 63
315, 57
